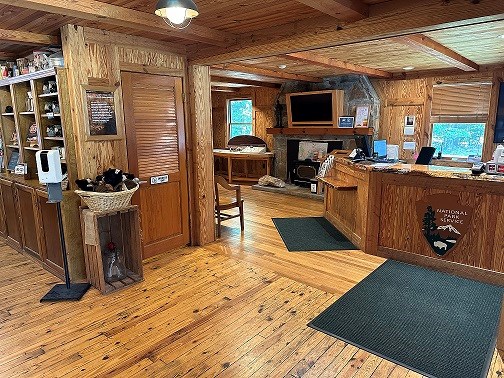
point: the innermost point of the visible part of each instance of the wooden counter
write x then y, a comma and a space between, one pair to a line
384, 211
30, 225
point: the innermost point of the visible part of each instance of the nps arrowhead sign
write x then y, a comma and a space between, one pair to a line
444, 221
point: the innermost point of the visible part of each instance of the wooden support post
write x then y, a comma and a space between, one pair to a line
202, 152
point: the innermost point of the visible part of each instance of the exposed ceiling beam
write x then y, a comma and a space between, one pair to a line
318, 60
253, 83
26, 38
427, 45
264, 72
345, 10
397, 18
101, 12
440, 73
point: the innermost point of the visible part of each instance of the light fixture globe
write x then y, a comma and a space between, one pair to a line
176, 11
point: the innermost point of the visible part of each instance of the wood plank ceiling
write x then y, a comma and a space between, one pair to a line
226, 26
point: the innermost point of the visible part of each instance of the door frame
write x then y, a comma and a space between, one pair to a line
183, 74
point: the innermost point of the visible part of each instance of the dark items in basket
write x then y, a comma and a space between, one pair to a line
112, 180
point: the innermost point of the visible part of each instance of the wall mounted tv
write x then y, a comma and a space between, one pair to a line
318, 108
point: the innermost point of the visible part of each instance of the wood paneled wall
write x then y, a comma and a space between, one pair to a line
263, 100
95, 57
400, 98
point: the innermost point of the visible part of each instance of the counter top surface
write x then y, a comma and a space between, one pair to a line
420, 170
21, 180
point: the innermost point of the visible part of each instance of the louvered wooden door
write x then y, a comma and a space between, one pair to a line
154, 117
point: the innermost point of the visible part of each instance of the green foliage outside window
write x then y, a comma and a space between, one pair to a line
240, 118
458, 139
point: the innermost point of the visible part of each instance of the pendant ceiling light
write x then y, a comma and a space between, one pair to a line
177, 13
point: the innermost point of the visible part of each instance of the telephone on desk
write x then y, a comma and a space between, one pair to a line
478, 168
357, 155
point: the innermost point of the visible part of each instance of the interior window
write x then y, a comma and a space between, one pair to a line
459, 117
458, 140
240, 117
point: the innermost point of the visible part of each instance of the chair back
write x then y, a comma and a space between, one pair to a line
221, 181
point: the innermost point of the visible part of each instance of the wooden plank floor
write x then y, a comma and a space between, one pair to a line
236, 308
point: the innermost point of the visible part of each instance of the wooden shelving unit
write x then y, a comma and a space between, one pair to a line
14, 92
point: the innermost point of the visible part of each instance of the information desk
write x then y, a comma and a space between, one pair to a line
229, 156
439, 217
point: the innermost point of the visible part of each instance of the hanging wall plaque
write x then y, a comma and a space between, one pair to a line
101, 104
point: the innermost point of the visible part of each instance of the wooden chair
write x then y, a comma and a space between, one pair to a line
221, 181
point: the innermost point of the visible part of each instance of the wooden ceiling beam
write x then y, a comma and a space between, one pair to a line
397, 18
101, 12
345, 10
424, 44
264, 72
26, 38
318, 60
253, 83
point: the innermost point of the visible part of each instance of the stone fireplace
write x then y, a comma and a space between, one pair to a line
358, 91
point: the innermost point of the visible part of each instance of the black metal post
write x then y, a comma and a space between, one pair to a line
63, 246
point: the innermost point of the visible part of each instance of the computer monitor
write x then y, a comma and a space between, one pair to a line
380, 148
362, 143
425, 155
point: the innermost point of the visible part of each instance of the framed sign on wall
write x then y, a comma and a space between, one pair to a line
101, 106
362, 116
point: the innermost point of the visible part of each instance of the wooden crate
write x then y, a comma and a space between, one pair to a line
123, 228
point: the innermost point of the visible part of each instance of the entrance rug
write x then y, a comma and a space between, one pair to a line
434, 323
311, 234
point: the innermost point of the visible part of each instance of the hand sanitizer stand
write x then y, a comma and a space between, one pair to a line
49, 170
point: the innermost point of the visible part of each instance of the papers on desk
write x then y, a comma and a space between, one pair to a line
383, 165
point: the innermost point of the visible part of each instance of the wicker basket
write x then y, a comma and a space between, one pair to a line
101, 202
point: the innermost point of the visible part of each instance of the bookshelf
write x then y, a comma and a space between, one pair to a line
34, 112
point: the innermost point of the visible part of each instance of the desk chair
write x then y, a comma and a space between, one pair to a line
238, 202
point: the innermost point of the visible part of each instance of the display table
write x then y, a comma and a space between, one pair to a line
229, 156
435, 216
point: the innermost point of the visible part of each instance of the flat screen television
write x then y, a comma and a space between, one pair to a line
318, 109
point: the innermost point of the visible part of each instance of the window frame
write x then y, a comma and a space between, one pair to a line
454, 119
228, 114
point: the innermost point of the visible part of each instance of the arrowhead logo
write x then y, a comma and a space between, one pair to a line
443, 220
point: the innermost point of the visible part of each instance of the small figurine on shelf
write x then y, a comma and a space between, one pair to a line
14, 139
29, 101
54, 131
51, 107
113, 266
50, 86
32, 136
